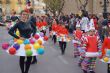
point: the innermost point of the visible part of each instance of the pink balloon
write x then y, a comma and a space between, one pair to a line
32, 41
5, 46
36, 37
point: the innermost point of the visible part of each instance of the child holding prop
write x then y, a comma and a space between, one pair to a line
106, 51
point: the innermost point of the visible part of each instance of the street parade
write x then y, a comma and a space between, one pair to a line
53, 41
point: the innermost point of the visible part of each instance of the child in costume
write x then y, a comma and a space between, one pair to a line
82, 49
93, 45
62, 36
54, 31
77, 34
25, 32
106, 51
44, 23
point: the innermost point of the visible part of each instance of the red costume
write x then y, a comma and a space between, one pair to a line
78, 34
106, 45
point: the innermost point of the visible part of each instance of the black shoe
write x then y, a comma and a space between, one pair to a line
63, 53
92, 72
79, 64
108, 71
75, 56
84, 71
34, 62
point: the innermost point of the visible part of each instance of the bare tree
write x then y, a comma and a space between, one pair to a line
83, 4
54, 6
0, 1
8, 2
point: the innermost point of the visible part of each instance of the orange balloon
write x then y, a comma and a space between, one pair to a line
42, 46
40, 42
15, 40
27, 47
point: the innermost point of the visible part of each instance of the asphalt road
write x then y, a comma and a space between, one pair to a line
51, 62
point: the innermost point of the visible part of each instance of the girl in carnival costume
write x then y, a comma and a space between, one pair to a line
77, 34
27, 44
82, 47
54, 31
44, 25
62, 36
106, 51
39, 25
25, 32
93, 45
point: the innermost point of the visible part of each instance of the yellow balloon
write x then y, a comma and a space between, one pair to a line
20, 41
17, 33
106, 59
36, 46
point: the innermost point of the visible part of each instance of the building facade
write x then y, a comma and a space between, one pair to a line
71, 6
93, 6
7, 6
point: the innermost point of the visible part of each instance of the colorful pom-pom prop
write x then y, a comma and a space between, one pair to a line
20, 42
45, 38
27, 47
36, 36
32, 41
40, 42
41, 34
36, 46
106, 59
26, 41
29, 53
16, 46
5, 46
40, 51
12, 51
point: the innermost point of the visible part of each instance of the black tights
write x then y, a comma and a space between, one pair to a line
54, 38
108, 68
25, 66
62, 46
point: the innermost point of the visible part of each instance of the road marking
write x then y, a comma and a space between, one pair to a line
63, 60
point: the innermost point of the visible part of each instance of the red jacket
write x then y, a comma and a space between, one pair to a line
106, 45
54, 27
78, 34
92, 44
44, 23
39, 24
62, 30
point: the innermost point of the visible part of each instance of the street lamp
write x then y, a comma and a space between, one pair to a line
105, 5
